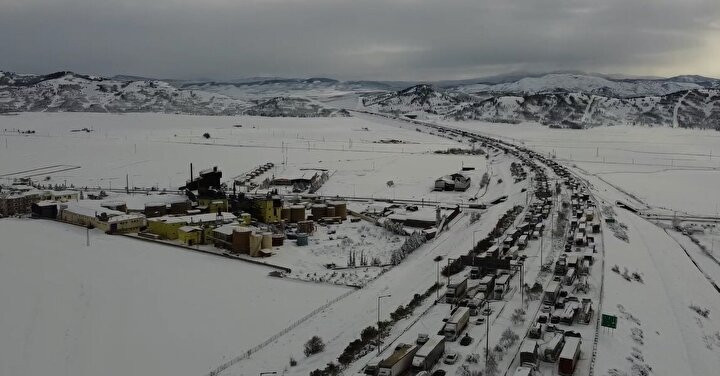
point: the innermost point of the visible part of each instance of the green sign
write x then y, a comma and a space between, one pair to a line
609, 321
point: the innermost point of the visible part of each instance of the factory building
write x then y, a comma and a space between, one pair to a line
167, 227
108, 220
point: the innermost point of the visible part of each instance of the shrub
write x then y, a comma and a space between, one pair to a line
368, 334
314, 345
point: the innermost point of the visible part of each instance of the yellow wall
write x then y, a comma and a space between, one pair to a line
188, 237
268, 213
214, 204
164, 229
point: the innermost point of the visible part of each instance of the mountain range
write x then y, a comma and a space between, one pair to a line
563, 99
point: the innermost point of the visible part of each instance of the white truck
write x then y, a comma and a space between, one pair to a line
427, 355
486, 285
399, 362
456, 324
456, 290
551, 293
502, 283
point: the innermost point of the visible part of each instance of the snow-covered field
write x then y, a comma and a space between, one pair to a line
675, 169
128, 307
157, 149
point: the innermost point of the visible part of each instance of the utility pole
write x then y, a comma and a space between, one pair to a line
378, 320
487, 332
437, 282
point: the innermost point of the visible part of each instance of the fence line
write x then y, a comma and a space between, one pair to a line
277, 335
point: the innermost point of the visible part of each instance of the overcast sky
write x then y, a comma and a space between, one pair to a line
359, 39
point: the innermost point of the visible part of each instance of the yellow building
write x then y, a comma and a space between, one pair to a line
191, 235
214, 204
167, 227
269, 209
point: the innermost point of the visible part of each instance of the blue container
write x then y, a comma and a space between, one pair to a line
302, 239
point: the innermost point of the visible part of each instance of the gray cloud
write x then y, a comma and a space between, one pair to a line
373, 39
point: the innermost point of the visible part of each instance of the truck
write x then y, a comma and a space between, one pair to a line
552, 349
551, 293
522, 241
569, 356
456, 290
427, 355
476, 303
493, 251
586, 311
399, 362
501, 285
456, 324
487, 285
529, 354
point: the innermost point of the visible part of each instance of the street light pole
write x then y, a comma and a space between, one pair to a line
378, 320
487, 333
437, 282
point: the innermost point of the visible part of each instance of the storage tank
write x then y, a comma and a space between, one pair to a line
241, 240
319, 211
266, 240
302, 239
306, 227
340, 209
297, 213
278, 240
255, 244
330, 211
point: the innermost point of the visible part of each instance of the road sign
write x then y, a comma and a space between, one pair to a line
609, 321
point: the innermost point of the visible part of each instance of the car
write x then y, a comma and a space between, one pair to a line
450, 358
543, 318
480, 320
439, 373
422, 338
570, 333
560, 303
466, 340
547, 308
554, 319
563, 293
487, 311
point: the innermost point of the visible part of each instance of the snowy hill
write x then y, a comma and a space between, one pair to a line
72, 92
419, 98
274, 87
565, 100
697, 108
592, 84
292, 107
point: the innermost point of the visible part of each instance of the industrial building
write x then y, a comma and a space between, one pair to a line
453, 182
167, 227
108, 220
18, 198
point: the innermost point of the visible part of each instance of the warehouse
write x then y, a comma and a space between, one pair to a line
167, 226
110, 221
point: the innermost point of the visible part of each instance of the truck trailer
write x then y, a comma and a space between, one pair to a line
399, 362
569, 356
427, 355
456, 290
456, 324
